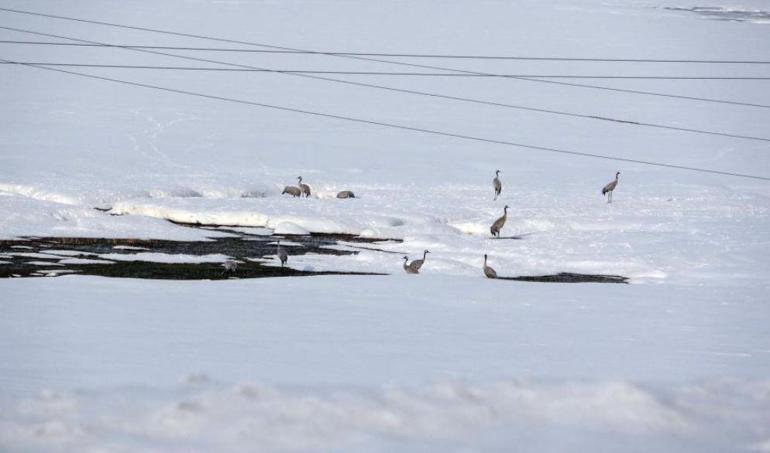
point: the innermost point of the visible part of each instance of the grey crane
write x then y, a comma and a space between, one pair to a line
408, 268
488, 271
497, 184
303, 187
281, 252
291, 190
346, 194
610, 187
230, 266
417, 264
499, 223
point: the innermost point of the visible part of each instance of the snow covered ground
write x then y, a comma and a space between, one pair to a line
679, 360
382, 363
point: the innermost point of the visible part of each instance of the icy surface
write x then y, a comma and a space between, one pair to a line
454, 416
165, 257
371, 362
677, 361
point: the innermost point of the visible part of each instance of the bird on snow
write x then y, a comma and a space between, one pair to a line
407, 268
417, 264
346, 194
488, 271
291, 190
230, 266
497, 184
499, 223
610, 187
281, 252
303, 187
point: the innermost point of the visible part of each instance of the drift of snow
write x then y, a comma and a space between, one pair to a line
449, 415
383, 363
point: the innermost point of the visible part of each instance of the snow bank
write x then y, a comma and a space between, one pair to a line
536, 416
290, 228
23, 216
36, 193
180, 215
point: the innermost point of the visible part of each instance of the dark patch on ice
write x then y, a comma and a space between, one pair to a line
255, 254
720, 13
242, 247
569, 277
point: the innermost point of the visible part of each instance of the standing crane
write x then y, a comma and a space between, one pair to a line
488, 271
409, 269
303, 187
499, 223
610, 187
282, 255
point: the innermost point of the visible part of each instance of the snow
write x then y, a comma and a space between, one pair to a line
84, 261
128, 247
165, 257
25, 216
43, 263
63, 252
290, 228
445, 415
413, 362
445, 360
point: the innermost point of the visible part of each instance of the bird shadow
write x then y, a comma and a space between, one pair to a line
514, 237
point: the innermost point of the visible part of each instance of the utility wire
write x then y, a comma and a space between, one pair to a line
414, 92
385, 73
403, 55
391, 125
362, 58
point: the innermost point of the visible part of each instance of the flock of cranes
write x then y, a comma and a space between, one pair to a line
497, 185
302, 189
414, 267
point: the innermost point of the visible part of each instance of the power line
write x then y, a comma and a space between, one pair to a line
403, 55
362, 58
386, 73
390, 125
413, 92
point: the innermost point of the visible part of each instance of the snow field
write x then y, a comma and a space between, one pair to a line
360, 363
442, 361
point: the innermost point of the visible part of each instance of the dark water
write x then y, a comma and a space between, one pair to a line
25, 261
239, 248
569, 277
